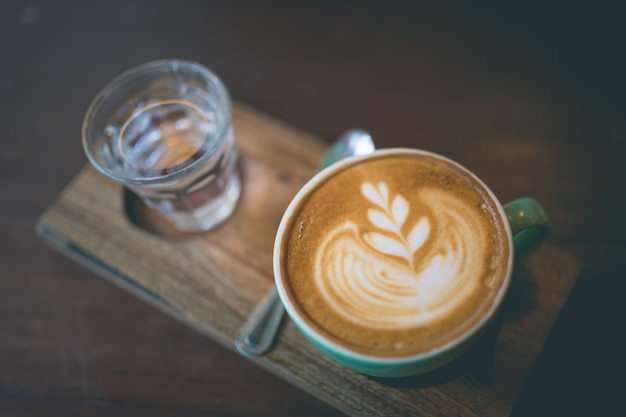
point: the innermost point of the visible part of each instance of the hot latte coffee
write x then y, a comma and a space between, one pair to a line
394, 254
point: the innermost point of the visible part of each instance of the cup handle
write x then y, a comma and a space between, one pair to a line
529, 224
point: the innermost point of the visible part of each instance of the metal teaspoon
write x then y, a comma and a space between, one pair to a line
258, 332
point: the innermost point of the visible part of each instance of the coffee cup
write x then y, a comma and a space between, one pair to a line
395, 263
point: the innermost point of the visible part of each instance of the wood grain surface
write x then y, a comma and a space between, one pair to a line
213, 281
529, 95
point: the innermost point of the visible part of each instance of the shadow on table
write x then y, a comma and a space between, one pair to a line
578, 370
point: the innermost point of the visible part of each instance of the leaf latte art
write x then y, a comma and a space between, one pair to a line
394, 255
387, 279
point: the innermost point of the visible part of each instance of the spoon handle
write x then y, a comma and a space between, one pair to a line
257, 335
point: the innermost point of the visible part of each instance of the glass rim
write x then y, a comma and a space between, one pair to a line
133, 73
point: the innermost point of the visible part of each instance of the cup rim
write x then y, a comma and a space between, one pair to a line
136, 71
322, 339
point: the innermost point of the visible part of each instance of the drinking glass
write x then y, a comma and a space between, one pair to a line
164, 130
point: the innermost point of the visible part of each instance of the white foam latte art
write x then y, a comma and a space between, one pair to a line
392, 274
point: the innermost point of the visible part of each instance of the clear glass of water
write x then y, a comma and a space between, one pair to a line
164, 130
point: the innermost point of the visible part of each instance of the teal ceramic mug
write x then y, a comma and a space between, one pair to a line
394, 263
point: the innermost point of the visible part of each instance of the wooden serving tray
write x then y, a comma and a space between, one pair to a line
213, 281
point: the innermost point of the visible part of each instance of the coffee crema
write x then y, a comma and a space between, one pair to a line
395, 255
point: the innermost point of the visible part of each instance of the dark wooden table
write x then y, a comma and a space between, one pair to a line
530, 97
